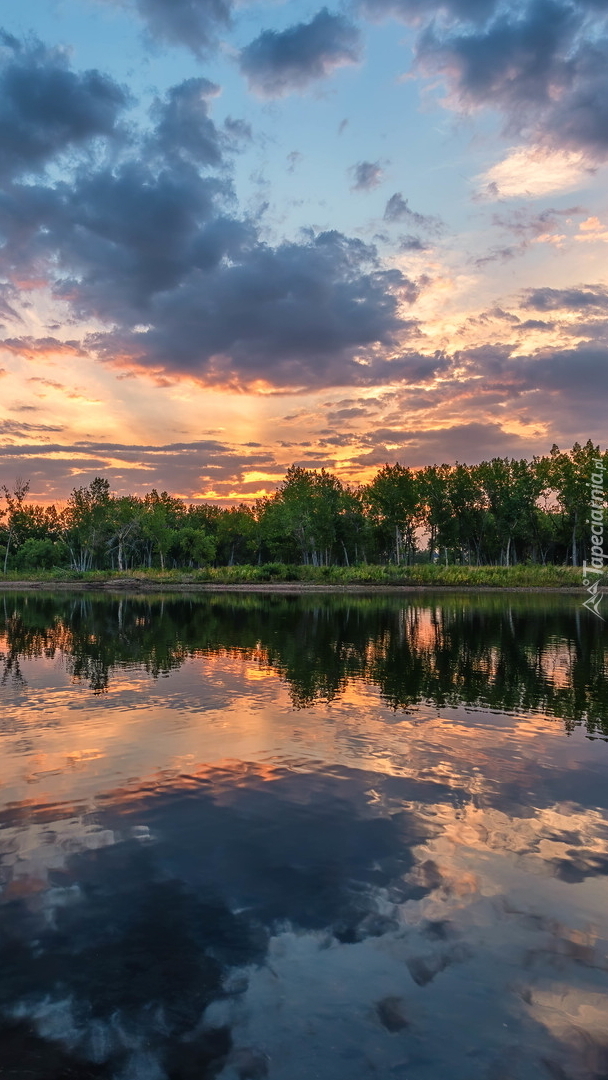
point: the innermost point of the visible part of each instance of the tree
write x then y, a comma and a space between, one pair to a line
394, 502
469, 506
88, 522
162, 515
125, 518
196, 546
238, 534
15, 500
512, 489
570, 475
306, 508
437, 511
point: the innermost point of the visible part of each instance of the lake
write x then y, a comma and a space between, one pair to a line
319, 837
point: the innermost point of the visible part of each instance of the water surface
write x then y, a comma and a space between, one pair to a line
248, 836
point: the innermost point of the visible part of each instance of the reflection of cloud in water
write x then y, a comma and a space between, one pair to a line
395, 915
200, 881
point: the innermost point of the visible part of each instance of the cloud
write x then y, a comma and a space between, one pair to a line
148, 245
300, 314
117, 236
366, 175
8, 296
533, 172
470, 442
501, 254
551, 388
543, 65
524, 223
585, 297
592, 230
420, 11
194, 24
16, 429
412, 243
341, 415
398, 210
187, 467
281, 62
47, 109
183, 125
528, 227
30, 348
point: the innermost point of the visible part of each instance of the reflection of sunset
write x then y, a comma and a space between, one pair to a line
397, 795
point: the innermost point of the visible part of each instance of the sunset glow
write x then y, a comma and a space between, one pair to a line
237, 239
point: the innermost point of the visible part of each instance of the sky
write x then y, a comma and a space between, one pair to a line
238, 235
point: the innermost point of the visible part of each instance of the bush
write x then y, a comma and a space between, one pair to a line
40, 555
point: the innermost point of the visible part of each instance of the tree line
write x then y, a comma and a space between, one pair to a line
501, 512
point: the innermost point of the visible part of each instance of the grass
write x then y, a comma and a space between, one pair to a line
522, 576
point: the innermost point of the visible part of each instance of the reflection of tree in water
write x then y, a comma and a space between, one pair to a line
504, 652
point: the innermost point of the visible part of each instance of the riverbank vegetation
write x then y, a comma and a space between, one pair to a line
420, 575
506, 521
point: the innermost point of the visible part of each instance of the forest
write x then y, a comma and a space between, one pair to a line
502, 512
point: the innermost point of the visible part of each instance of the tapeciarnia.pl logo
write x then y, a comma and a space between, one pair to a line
596, 566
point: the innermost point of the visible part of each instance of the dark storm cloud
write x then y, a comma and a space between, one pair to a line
279, 62
366, 175
46, 108
582, 372
340, 415
537, 324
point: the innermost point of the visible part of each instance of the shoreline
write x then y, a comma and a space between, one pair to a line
135, 585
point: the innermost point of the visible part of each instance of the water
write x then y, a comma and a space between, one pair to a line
290, 837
